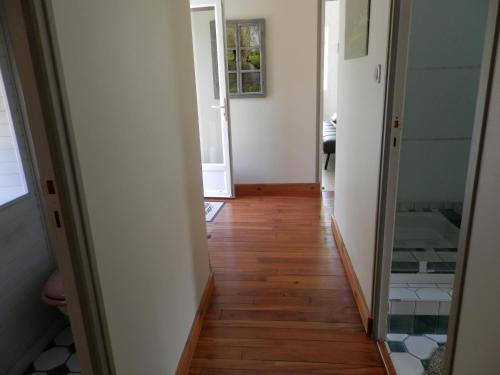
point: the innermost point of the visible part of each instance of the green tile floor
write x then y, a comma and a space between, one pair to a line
410, 353
418, 324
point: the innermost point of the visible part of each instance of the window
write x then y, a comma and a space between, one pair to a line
12, 179
245, 58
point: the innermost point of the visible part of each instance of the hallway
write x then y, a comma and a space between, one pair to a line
282, 303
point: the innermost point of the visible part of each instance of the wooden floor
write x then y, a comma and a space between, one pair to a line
282, 303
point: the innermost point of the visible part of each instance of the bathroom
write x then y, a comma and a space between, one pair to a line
445, 51
35, 336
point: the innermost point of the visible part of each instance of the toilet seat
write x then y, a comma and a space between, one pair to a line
52, 301
53, 292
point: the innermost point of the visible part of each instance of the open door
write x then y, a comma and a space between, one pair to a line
391, 159
429, 171
208, 28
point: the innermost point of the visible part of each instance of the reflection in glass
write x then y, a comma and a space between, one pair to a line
231, 60
233, 83
250, 59
249, 36
209, 118
231, 36
250, 82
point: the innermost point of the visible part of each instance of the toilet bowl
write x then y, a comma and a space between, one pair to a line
53, 293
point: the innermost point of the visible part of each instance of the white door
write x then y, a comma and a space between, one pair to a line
391, 158
25, 253
208, 28
409, 93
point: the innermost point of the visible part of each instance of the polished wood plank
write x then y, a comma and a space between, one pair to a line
386, 358
282, 303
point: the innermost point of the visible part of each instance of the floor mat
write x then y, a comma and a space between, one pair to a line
212, 209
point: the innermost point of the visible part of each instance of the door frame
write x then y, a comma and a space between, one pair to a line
35, 59
387, 193
225, 112
320, 96
389, 165
319, 92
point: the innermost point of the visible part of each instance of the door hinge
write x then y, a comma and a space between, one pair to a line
378, 73
57, 219
51, 189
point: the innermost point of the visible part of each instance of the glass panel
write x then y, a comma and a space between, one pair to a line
432, 170
231, 36
231, 59
249, 36
233, 83
250, 82
12, 179
209, 119
250, 59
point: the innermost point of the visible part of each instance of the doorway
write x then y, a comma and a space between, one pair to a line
437, 83
36, 335
26, 255
328, 97
208, 29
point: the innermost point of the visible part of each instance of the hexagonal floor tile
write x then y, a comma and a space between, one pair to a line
73, 364
64, 338
59, 370
440, 339
396, 346
396, 336
406, 364
420, 346
51, 359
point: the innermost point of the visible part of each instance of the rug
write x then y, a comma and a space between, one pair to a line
212, 209
436, 361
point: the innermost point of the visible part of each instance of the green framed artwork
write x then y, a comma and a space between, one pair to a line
245, 52
357, 25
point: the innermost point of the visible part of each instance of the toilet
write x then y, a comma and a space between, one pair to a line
53, 293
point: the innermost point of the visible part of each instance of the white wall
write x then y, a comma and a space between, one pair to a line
274, 138
359, 139
479, 331
129, 78
332, 29
443, 72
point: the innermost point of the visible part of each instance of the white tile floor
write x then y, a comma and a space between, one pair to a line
406, 364
59, 358
409, 353
433, 294
419, 278
420, 346
420, 299
328, 176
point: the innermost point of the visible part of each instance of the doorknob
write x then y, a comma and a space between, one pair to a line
223, 106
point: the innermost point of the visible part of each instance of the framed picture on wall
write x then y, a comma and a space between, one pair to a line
245, 51
357, 25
